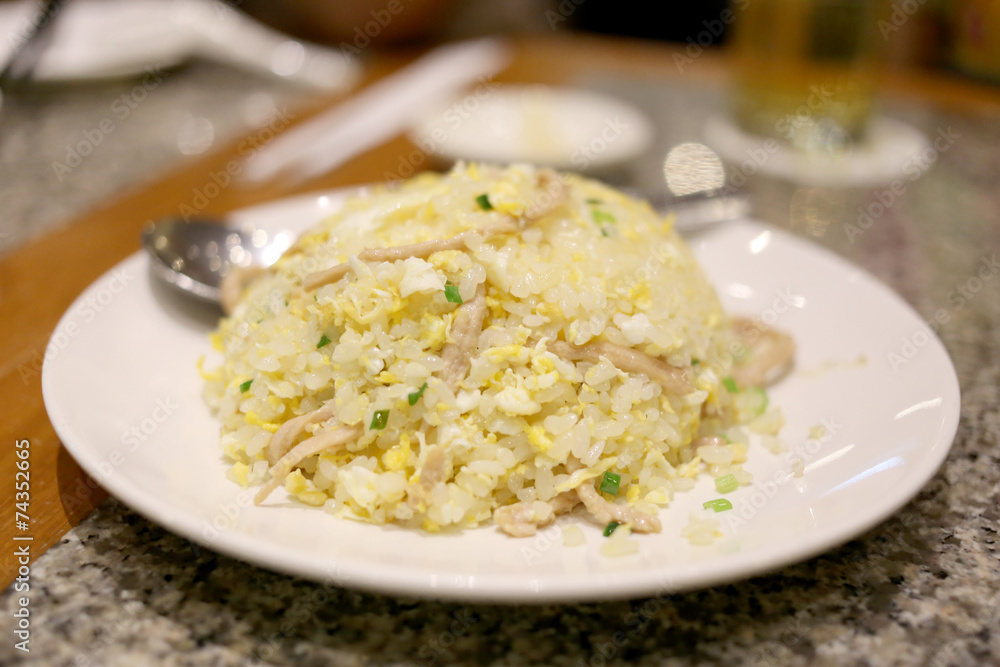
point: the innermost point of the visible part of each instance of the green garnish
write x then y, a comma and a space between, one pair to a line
695, 362
379, 420
315, 297
323, 342
415, 396
484, 202
451, 293
726, 483
610, 528
594, 200
759, 399
604, 232
610, 482
730, 385
245, 386
602, 217
718, 505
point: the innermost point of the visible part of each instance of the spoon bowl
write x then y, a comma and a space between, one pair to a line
194, 256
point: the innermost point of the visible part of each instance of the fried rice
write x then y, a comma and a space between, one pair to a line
497, 344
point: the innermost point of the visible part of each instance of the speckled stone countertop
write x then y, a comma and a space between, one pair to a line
921, 589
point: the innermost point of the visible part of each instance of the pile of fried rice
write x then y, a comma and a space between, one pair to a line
486, 345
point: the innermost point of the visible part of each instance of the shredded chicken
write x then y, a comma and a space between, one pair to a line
432, 473
564, 502
523, 519
674, 379
233, 283
772, 353
422, 250
555, 195
465, 330
283, 438
314, 445
604, 511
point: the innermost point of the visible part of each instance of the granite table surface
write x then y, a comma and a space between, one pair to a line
921, 589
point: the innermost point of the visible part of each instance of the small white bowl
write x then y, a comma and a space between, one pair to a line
564, 128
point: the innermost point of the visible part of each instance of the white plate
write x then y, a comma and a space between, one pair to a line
102, 39
891, 150
565, 128
123, 393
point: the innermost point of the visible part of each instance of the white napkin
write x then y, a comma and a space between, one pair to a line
377, 113
111, 38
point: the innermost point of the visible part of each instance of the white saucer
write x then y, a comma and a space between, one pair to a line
892, 150
558, 127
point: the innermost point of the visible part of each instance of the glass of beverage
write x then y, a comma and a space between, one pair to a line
804, 71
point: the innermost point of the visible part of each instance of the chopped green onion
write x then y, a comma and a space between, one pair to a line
594, 200
245, 386
315, 297
286, 302
451, 293
603, 217
323, 342
610, 528
726, 483
484, 202
379, 420
695, 362
730, 384
759, 399
604, 232
610, 482
415, 396
718, 505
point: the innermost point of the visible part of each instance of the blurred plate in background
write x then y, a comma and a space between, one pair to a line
558, 127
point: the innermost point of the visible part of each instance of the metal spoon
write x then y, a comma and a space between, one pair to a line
194, 256
700, 194
695, 190
700, 210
